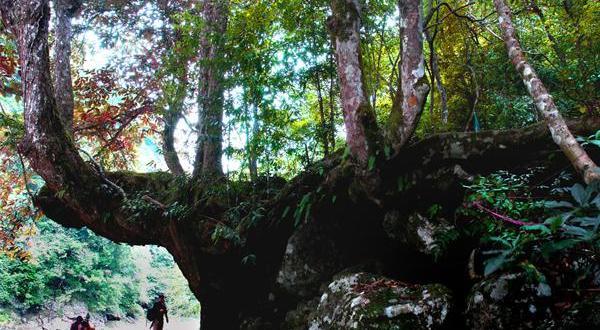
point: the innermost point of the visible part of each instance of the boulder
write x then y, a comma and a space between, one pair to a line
366, 301
415, 231
581, 316
310, 258
508, 301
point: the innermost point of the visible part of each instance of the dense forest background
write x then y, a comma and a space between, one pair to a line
208, 112
73, 267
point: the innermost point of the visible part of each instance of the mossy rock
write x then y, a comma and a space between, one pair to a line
366, 301
508, 301
583, 315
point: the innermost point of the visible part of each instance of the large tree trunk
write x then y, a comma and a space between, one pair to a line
171, 117
210, 95
543, 100
84, 190
362, 133
63, 86
173, 102
408, 106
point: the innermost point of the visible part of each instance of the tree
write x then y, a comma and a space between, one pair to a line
544, 103
412, 72
362, 133
65, 10
230, 243
210, 96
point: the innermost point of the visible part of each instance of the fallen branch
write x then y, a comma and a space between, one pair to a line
502, 217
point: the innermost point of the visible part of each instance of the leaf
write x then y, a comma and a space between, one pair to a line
580, 194
501, 241
553, 246
285, 211
555, 222
371, 164
587, 221
495, 263
577, 231
249, 260
539, 227
387, 151
61, 193
346, 153
596, 202
557, 204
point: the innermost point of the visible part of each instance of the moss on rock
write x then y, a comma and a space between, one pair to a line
365, 301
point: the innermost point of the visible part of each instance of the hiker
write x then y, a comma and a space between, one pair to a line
156, 313
81, 323
86, 324
78, 321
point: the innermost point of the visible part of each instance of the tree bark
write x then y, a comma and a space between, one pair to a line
435, 69
362, 133
63, 86
172, 115
173, 104
211, 89
323, 121
408, 106
544, 103
85, 193
331, 123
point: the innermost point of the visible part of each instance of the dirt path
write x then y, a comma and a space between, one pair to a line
174, 324
140, 324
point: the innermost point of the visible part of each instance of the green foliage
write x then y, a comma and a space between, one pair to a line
523, 231
70, 266
590, 140
302, 212
67, 266
225, 232
506, 192
4, 317
444, 238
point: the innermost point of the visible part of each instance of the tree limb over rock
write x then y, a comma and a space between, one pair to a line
476, 153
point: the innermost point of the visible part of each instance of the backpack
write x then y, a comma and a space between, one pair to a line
153, 313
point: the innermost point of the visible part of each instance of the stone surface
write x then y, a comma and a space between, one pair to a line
415, 231
365, 301
309, 259
508, 301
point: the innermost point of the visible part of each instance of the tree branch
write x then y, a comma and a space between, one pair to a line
543, 100
362, 133
408, 108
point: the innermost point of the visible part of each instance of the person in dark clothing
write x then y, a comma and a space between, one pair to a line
81, 324
161, 307
86, 324
78, 322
